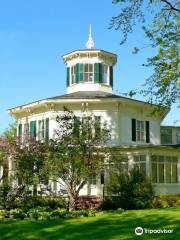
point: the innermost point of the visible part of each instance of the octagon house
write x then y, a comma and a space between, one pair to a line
135, 132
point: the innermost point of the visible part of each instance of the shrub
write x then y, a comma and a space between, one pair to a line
165, 201
33, 213
131, 190
17, 214
159, 203
46, 202
4, 214
110, 203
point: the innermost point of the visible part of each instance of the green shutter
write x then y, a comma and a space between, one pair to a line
111, 76
20, 130
77, 72
98, 73
97, 126
77, 124
81, 72
33, 129
67, 76
47, 129
133, 129
147, 132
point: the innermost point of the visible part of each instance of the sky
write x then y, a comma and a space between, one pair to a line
35, 34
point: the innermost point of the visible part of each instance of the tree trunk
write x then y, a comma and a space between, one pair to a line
71, 203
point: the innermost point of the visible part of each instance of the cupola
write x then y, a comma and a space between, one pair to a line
90, 69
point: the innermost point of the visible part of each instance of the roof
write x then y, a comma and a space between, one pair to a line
90, 50
92, 95
87, 95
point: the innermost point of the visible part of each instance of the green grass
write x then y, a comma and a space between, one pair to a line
107, 226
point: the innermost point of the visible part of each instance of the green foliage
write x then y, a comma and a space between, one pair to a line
10, 132
5, 189
4, 214
46, 202
132, 190
29, 163
161, 27
166, 201
17, 214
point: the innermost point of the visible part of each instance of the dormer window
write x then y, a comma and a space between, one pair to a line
105, 73
73, 80
88, 73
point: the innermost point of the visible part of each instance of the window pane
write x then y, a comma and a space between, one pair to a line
166, 136
90, 68
154, 172
92, 179
174, 173
168, 172
161, 172
178, 136
86, 68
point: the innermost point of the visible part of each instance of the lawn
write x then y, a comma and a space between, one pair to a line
106, 226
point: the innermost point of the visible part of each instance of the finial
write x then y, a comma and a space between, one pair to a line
90, 42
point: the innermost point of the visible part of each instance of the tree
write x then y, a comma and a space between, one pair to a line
162, 30
76, 153
29, 163
6, 148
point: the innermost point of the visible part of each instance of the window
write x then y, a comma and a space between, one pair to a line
178, 136
92, 179
164, 169
88, 72
86, 127
20, 130
105, 71
40, 129
166, 135
119, 162
140, 131
73, 80
26, 129
140, 163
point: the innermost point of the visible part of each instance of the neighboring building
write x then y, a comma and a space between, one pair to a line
170, 135
135, 132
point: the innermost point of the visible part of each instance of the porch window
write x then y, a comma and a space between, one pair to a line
140, 163
164, 169
92, 179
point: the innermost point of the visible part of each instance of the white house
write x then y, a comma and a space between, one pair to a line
135, 132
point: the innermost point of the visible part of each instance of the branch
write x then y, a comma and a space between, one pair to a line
171, 6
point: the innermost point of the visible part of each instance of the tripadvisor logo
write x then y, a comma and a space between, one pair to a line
139, 231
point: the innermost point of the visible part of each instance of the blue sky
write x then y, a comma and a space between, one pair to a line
35, 34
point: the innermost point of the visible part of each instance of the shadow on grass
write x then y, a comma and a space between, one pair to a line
109, 226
